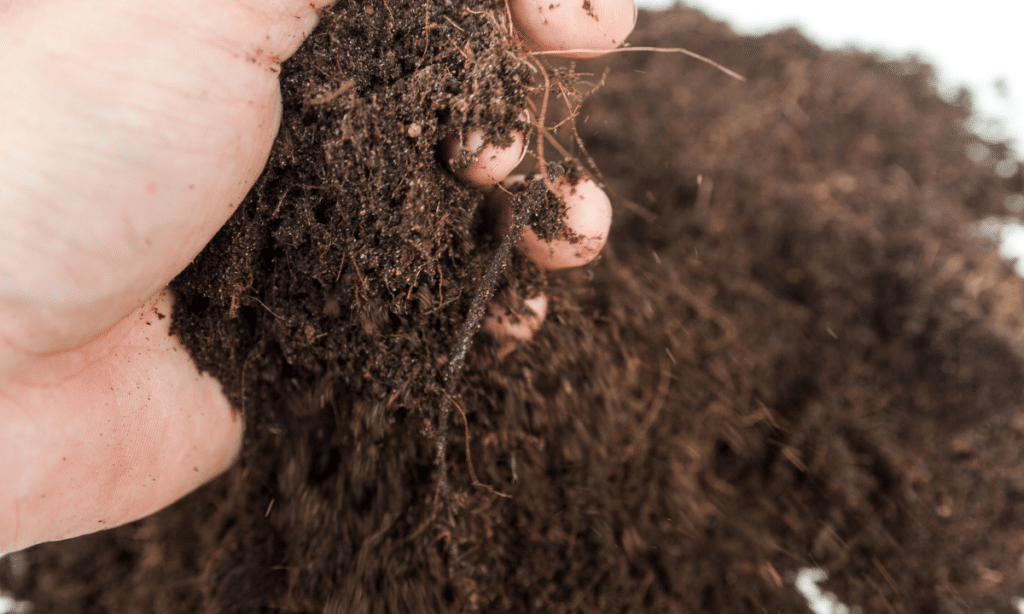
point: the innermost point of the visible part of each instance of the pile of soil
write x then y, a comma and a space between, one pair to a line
791, 353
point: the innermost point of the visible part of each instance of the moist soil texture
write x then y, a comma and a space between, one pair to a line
792, 353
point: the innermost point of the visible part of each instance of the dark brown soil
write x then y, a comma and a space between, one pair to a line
790, 354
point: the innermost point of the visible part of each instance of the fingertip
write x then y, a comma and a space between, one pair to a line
286, 23
588, 215
585, 30
509, 329
483, 164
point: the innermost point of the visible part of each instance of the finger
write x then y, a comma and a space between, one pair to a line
483, 165
588, 215
582, 29
131, 132
110, 433
510, 330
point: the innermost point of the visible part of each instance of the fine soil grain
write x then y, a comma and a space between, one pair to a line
792, 352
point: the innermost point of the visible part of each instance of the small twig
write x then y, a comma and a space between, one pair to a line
454, 24
265, 307
245, 364
554, 143
426, 29
344, 87
479, 303
462, 344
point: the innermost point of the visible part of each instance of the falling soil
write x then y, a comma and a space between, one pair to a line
792, 353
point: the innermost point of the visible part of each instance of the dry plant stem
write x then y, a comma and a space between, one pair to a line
344, 87
698, 56
462, 344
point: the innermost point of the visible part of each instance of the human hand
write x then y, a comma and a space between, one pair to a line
131, 132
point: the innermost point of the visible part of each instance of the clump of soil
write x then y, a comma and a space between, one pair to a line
790, 354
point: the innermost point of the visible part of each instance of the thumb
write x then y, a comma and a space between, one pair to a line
133, 129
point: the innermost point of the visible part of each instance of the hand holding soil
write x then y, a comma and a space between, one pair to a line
131, 134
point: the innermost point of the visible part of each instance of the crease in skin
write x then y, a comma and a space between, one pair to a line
51, 369
162, 419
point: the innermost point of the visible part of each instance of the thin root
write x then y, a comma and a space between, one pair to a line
542, 131
469, 457
733, 74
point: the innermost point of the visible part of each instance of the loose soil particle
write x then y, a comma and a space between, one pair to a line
790, 354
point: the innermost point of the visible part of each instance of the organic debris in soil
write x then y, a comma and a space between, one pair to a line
791, 353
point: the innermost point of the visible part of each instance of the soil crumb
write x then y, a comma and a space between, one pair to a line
792, 353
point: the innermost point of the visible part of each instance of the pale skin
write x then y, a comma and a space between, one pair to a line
130, 130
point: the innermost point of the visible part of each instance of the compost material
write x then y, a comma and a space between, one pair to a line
792, 353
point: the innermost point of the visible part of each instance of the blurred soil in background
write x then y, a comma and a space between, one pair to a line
792, 352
